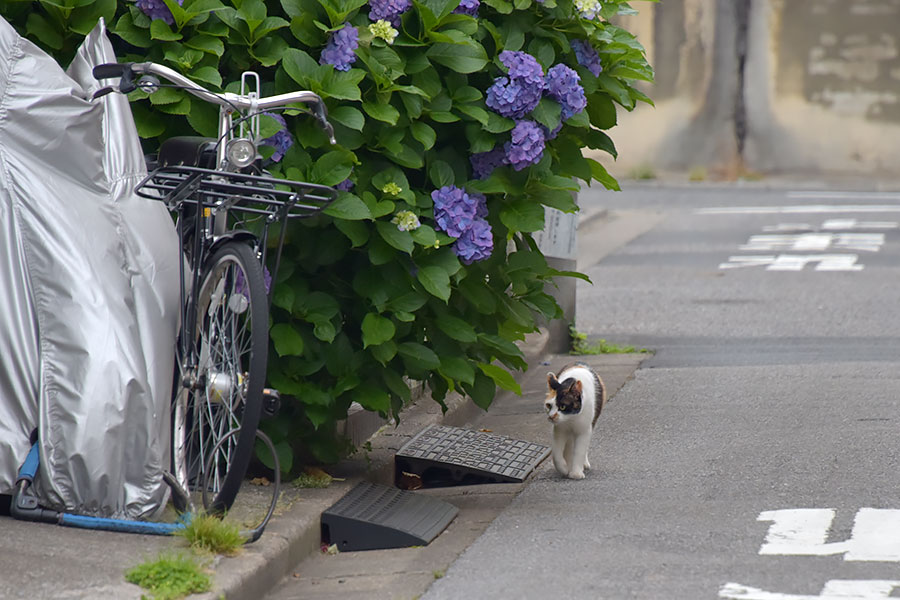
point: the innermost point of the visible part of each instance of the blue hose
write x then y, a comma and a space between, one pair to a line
119, 525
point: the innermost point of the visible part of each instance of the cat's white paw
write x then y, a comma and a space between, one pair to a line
576, 474
587, 464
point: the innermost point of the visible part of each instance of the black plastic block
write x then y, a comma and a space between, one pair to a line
443, 455
375, 517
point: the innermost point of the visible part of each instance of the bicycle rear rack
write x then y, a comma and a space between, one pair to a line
223, 190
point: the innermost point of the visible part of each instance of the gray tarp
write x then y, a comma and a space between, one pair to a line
88, 289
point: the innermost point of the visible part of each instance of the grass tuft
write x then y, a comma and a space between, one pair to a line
210, 534
170, 577
581, 346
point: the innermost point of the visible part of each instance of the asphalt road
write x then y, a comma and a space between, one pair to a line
755, 455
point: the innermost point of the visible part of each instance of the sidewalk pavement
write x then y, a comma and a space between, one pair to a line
290, 549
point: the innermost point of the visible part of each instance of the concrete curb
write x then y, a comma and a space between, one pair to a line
295, 533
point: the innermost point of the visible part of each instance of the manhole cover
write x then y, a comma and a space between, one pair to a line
375, 517
443, 455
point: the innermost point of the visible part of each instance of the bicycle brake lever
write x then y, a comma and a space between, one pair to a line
102, 92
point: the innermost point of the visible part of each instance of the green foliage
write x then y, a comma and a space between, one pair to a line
360, 307
210, 534
170, 577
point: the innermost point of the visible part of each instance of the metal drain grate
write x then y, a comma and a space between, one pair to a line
375, 517
443, 455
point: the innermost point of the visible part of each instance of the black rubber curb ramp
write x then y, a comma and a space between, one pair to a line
441, 455
377, 517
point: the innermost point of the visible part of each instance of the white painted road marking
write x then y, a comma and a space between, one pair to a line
836, 589
804, 531
815, 242
831, 225
845, 195
799, 210
795, 262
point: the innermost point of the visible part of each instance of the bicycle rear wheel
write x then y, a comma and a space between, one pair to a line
222, 391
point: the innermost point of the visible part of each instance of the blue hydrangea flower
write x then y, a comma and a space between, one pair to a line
455, 210
157, 9
468, 7
484, 163
517, 94
344, 186
587, 56
388, 10
476, 242
563, 85
281, 140
340, 48
526, 145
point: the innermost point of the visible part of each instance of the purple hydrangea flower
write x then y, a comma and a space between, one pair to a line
484, 163
475, 243
340, 48
157, 9
587, 56
522, 65
282, 139
563, 85
468, 7
389, 10
517, 94
526, 145
455, 210
344, 186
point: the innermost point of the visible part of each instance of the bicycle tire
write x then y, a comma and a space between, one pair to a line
225, 392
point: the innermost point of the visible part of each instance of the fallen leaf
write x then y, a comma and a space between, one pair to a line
487, 430
263, 481
409, 481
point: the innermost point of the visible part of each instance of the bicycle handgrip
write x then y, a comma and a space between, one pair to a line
110, 70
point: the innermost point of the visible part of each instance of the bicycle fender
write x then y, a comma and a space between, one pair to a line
235, 235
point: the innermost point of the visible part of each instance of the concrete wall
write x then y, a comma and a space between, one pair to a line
767, 86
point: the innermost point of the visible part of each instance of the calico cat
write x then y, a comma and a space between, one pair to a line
574, 401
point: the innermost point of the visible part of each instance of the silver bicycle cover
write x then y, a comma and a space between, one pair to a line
88, 289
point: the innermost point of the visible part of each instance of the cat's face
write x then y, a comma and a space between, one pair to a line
563, 398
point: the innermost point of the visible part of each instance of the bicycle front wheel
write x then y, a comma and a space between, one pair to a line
221, 390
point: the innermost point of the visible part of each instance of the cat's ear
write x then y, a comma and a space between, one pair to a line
577, 387
552, 381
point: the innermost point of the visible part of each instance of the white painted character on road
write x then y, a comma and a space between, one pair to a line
574, 401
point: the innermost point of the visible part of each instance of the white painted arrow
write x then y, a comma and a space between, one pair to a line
804, 531
836, 589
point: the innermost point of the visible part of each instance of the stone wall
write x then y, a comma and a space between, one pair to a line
767, 86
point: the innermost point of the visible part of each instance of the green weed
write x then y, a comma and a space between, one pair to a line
210, 534
643, 171
170, 577
581, 345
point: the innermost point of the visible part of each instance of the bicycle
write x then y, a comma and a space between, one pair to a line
225, 206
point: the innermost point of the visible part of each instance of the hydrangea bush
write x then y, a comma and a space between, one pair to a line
458, 122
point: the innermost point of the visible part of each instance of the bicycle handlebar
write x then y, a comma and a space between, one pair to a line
127, 72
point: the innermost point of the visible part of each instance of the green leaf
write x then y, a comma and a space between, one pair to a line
372, 398
424, 134
498, 124
299, 65
283, 451
458, 368
207, 43
547, 113
600, 173
332, 168
523, 215
131, 33
501, 6
436, 281
342, 85
401, 240
376, 330
418, 355
461, 58
483, 391
476, 112
456, 328
350, 207
382, 112
383, 353
424, 235
441, 174
286, 340
356, 231
348, 117
208, 75
40, 28
160, 30
501, 377
602, 111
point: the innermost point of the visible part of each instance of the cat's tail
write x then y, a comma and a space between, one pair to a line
600, 397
